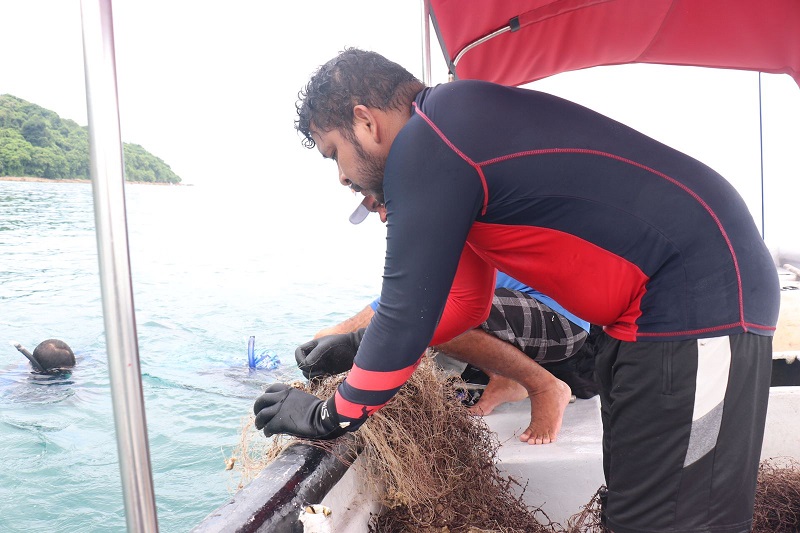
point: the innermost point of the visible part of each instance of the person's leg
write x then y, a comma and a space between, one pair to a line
520, 333
498, 390
529, 333
514, 376
534, 328
683, 423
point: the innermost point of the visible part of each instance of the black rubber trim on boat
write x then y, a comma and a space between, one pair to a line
302, 474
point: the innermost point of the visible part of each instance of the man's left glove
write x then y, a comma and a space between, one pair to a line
328, 355
285, 409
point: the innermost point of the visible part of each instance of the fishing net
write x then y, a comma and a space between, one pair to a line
589, 518
252, 454
433, 465
437, 465
777, 507
429, 460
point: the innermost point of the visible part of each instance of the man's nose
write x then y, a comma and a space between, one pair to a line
342, 178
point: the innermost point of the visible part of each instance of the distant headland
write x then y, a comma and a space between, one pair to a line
38, 145
36, 179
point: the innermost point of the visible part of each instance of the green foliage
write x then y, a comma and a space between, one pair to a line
15, 153
37, 132
141, 165
37, 142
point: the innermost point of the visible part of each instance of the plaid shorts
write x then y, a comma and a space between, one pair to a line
541, 333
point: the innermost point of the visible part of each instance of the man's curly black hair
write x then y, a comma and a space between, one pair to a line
353, 77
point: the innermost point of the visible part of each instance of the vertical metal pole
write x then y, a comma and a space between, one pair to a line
108, 182
426, 42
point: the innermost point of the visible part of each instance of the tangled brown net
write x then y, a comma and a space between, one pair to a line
777, 507
589, 518
252, 454
437, 464
426, 457
433, 465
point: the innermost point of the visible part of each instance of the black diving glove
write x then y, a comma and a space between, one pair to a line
285, 409
329, 355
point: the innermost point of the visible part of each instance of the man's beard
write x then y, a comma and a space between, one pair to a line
371, 168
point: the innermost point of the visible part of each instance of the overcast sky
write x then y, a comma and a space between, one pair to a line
210, 88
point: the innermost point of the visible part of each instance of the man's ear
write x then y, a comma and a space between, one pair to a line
365, 118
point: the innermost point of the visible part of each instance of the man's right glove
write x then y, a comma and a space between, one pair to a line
284, 409
332, 354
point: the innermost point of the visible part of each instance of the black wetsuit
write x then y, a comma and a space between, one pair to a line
624, 232
620, 229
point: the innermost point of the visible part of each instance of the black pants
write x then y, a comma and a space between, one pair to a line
683, 424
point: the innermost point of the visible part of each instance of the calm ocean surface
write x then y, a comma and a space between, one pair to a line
210, 268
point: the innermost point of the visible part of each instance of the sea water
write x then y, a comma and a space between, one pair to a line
209, 269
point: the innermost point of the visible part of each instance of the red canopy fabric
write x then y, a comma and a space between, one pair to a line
545, 37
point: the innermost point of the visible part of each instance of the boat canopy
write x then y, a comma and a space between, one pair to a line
514, 42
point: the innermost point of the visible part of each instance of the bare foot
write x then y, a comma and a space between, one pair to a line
499, 390
547, 413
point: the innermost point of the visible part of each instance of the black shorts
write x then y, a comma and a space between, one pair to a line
542, 334
683, 424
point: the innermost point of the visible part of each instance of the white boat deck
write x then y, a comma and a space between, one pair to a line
561, 476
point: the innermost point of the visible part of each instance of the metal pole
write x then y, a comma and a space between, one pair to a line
426, 42
108, 182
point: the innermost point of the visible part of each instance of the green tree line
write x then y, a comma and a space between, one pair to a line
35, 141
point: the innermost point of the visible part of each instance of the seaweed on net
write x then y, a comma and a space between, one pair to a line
433, 465
436, 463
589, 518
777, 504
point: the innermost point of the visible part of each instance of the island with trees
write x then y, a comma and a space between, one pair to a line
36, 142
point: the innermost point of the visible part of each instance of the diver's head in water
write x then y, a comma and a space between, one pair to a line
54, 354
49, 356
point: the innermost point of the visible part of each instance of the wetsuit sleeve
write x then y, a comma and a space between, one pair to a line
467, 302
470, 299
432, 198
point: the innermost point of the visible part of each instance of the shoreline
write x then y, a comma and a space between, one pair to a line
35, 179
